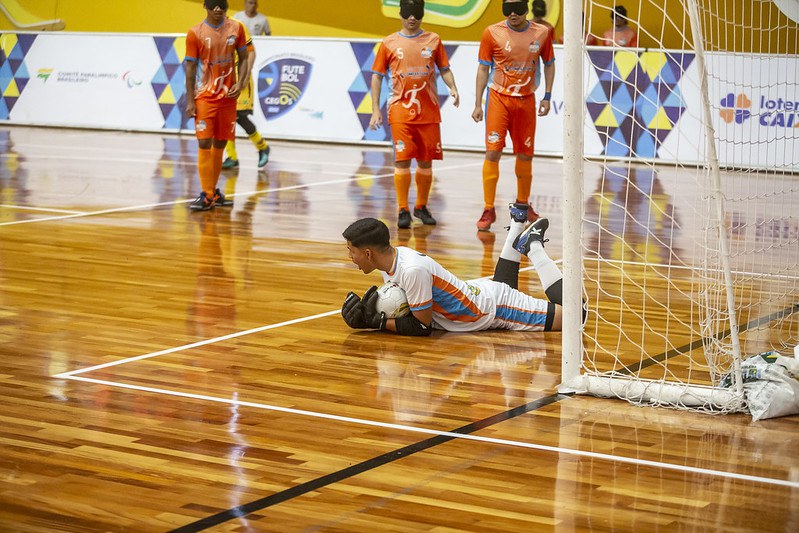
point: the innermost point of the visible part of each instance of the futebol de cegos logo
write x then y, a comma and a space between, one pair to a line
451, 13
281, 83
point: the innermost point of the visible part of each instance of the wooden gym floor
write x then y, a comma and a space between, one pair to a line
166, 370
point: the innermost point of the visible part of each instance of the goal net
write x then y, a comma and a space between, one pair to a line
682, 196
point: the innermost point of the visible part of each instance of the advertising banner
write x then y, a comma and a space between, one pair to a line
639, 104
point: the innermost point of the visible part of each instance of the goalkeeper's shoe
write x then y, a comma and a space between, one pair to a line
534, 232
519, 212
221, 200
230, 163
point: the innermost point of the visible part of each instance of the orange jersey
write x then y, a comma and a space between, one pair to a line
513, 56
623, 37
410, 63
215, 51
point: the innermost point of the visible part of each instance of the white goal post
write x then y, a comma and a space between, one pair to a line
687, 266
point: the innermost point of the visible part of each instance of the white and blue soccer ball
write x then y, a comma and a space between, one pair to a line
392, 301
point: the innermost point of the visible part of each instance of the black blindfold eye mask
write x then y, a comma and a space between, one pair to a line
212, 4
520, 8
415, 10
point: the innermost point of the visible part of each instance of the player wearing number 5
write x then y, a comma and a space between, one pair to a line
411, 57
509, 50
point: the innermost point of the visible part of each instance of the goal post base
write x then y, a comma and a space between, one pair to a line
657, 393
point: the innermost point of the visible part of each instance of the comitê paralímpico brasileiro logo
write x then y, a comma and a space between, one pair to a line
281, 84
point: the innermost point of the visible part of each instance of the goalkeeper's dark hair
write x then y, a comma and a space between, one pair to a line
539, 8
404, 3
368, 232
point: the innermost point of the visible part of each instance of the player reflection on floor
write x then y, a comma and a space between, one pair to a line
462, 374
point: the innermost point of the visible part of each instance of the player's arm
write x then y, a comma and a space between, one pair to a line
377, 86
190, 67
549, 78
361, 313
414, 324
480, 87
449, 79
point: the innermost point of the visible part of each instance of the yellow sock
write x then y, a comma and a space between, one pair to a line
524, 180
259, 142
424, 181
490, 179
230, 149
402, 184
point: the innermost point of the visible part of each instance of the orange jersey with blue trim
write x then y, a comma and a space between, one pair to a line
410, 62
215, 51
513, 56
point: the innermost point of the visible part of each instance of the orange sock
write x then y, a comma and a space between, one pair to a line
205, 166
217, 154
524, 180
490, 179
424, 180
402, 184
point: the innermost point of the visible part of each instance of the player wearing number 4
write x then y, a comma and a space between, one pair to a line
411, 57
439, 300
511, 49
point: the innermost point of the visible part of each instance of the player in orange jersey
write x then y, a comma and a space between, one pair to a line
620, 34
211, 92
411, 56
509, 51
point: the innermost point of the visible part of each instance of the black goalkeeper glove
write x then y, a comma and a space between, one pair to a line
360, 313
373, 318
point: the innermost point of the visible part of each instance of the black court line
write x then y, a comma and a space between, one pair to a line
362, 467
386, 458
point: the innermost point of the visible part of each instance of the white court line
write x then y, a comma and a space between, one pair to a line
489, 440
223, 338
248, 193
73, 375
196, 344
45, 209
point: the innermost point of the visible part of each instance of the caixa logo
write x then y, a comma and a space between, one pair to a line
735, 108
281, 84
779, 113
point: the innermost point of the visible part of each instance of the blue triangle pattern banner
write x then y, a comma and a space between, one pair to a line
650, 106
14, 74
169, 85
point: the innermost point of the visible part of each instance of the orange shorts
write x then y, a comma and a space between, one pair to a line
215, 119
514, 114
416, 141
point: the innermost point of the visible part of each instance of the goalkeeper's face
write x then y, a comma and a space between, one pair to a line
362, 257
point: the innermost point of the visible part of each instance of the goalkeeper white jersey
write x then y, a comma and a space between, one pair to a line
461, 306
